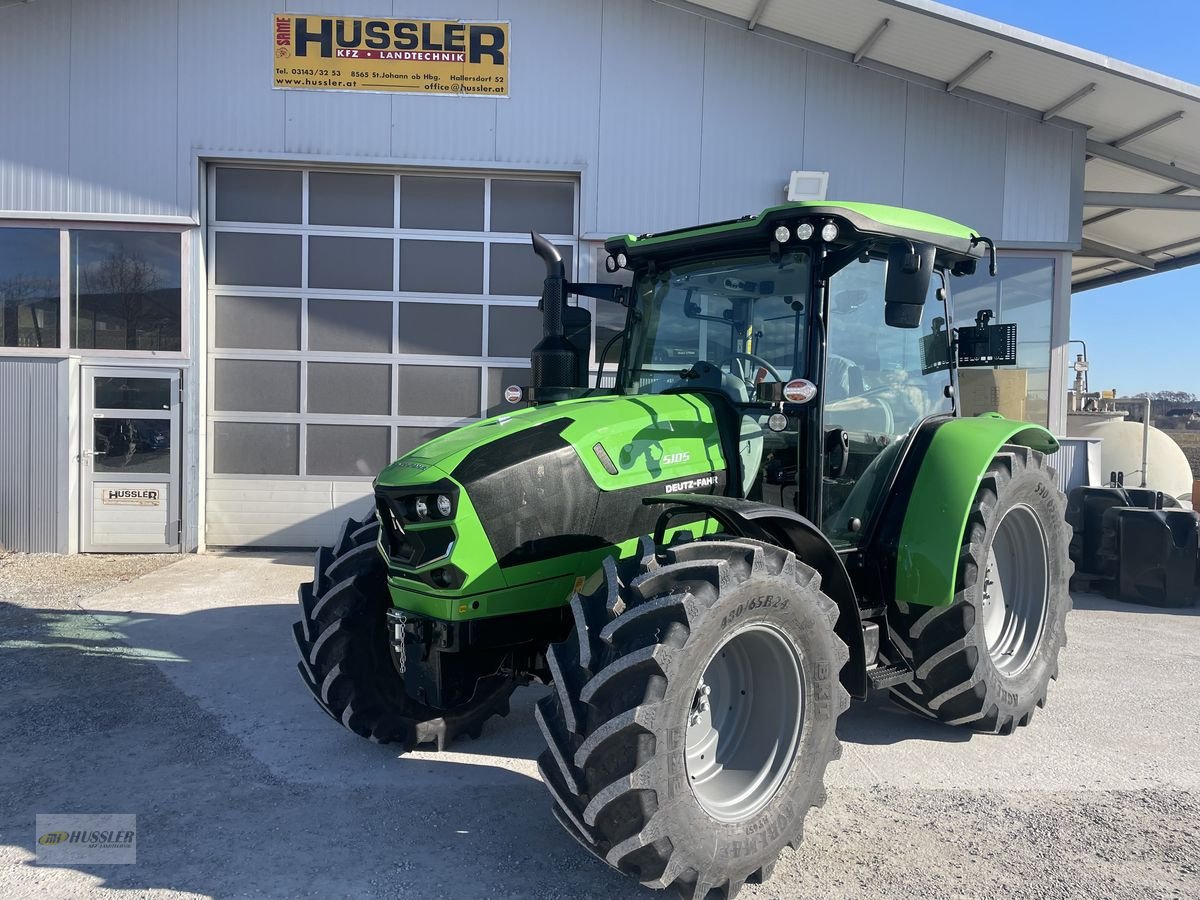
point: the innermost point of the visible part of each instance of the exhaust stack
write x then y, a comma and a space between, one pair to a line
555, 359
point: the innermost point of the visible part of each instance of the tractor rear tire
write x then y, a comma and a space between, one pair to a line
986, 661
694, 714
346, 658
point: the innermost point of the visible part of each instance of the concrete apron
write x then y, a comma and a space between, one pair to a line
219, 626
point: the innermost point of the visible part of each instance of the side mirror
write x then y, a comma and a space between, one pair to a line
909, 269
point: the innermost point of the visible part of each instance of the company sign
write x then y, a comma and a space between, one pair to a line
131, 496
411, 56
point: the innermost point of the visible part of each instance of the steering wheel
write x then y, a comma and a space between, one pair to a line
757, 360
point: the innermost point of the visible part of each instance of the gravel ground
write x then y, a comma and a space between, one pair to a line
50, 581
174, 697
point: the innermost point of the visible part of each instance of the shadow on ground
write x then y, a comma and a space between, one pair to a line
1093, 601
251, 789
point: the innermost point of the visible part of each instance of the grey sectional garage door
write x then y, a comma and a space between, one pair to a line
352, 315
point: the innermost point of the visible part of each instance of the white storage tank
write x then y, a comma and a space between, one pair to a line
1167, 467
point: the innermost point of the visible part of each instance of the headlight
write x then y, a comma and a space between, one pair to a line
782, 234
829, 233
421, 508
804, 231
444, 507
622, 260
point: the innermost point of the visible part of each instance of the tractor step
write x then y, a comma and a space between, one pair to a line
889, 675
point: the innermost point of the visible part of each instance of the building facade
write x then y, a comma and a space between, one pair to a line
225, 306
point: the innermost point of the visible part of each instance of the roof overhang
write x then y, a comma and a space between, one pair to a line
1141, 190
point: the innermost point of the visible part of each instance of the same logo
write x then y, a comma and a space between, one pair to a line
799, 390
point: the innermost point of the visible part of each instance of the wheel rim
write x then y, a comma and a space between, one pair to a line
1016, 589
745, 722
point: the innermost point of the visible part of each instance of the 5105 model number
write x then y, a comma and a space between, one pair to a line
766, 601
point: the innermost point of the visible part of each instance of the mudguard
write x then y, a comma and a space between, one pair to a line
935, 520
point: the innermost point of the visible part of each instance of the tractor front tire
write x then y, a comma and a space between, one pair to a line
693, 714
986, 661
346, 658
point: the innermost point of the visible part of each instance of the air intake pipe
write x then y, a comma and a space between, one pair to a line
554, 360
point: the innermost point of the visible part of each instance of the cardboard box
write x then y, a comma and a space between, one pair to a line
993, 390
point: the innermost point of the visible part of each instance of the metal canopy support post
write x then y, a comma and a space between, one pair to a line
1070, 101
1167, 265
871, 40
1142, 201
757, 14
1147, 129
1100, 217
1108, 251
970, 70
1144, 164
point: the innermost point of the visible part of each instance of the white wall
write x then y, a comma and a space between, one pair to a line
671, 118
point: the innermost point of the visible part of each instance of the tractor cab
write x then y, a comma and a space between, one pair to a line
821, 332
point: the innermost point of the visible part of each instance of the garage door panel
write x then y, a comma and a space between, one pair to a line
355, 314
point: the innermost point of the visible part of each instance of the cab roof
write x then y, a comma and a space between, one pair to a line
856, 222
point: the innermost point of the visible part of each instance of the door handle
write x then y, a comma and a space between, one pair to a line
837, 449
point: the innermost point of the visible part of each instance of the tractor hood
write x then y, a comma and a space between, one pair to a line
537, 494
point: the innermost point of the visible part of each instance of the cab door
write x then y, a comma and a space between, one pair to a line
875, 393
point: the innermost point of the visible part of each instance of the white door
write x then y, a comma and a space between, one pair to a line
130, 460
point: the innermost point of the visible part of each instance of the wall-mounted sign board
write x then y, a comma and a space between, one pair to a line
410, 56
131, 496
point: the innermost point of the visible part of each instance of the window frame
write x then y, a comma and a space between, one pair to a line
65, 226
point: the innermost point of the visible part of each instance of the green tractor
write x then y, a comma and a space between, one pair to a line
775, 507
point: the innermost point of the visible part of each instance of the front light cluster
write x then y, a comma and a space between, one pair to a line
805, 230
438, 506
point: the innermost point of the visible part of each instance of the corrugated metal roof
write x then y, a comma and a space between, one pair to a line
982, 58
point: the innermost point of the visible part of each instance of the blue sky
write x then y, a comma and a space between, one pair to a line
1135, 331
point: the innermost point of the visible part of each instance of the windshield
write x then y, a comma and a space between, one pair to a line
745, 317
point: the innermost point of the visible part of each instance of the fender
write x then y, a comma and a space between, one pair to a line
948, 475
790, 530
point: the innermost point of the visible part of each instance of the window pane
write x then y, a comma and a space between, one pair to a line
125, 290
349, 389
351, 264
408, 439
132, 393
518, 271
258, 195
29, 287
257, 323
498, 380
256, 385
262, 260
439, 391
513, 330
255, 448
441, 204
609, 317
336, 198
547, 207
131, 445
441, 267
451, 329
610, 325
351, 326
1021, 294
360, 450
